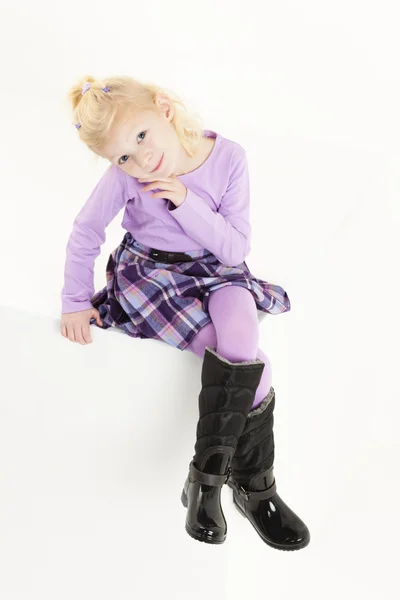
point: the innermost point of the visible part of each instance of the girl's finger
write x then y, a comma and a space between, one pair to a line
86, 334
78, 335
71, 334
149, 179
158, 184
63, 330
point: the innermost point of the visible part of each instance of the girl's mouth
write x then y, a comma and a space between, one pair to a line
159, 164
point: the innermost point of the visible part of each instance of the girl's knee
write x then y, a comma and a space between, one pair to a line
233, 308
232, 298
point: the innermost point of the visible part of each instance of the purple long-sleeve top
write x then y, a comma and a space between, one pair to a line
214, 215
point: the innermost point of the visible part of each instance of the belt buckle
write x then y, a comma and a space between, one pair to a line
158, 255
167, 257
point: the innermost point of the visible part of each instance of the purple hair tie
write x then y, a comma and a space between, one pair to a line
86, 87
84, 90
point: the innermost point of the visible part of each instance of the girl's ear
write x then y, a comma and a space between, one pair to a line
164, 104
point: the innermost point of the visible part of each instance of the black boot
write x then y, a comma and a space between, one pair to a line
254, 487
228, 391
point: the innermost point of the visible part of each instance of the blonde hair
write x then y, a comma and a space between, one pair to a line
97, 110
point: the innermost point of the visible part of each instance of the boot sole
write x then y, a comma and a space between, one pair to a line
195, 534
272, 544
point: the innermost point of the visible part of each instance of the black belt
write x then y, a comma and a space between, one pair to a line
169, 257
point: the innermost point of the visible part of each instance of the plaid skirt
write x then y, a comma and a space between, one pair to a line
169, 301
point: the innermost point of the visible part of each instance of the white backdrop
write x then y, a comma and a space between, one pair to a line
95, 441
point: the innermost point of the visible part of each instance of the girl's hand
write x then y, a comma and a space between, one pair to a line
173, 187
76, 326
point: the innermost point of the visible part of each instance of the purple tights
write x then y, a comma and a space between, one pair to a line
233, 332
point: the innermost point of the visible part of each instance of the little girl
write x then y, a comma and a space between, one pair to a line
179, 276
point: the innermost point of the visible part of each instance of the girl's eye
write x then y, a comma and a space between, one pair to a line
125, 155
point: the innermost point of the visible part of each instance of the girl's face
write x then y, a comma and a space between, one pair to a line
139, 141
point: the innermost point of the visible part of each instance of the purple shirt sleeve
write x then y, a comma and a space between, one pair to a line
227, 232
88, 234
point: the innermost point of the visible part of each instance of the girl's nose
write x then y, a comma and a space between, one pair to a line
145, 161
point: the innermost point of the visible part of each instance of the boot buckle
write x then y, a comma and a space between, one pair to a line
208, 478
228, 474
240, 490
243, 493
260, 495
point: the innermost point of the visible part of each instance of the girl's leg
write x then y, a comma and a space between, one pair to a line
233, 332
234, 314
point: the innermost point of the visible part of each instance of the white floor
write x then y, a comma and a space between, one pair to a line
95, 442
